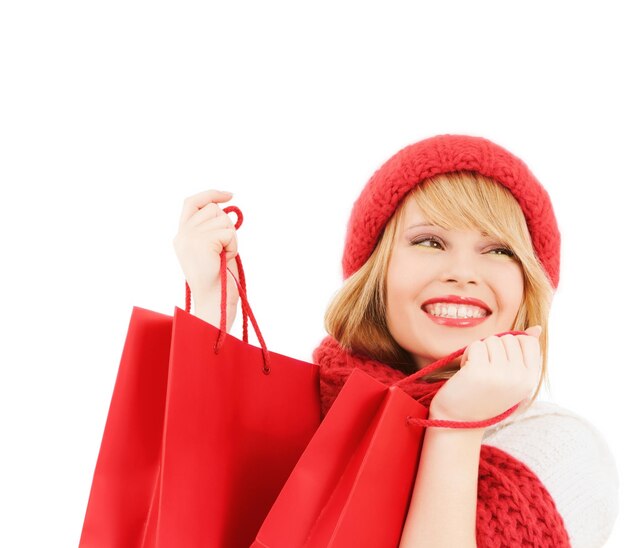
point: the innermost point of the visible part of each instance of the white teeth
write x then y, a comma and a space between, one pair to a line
450, 310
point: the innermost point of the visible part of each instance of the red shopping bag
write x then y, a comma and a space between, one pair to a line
202, 432
349, 488
353, 483
128, 461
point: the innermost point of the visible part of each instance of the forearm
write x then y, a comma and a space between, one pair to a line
442, 512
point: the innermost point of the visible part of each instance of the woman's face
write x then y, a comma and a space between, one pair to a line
429, 262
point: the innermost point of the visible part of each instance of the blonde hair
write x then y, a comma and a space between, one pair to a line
459, 200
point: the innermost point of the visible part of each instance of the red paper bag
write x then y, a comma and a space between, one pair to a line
202, 432
128, 461
353, 483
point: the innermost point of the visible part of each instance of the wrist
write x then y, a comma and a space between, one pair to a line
460, 433
436, 413
208, 308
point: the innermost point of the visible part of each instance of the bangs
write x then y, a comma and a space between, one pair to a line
466, 200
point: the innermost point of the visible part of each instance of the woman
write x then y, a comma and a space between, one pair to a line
452, 241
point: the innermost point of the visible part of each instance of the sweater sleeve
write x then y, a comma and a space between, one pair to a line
573, 462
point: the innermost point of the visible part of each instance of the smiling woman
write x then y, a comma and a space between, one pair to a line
461, 263
469, 222
452, 242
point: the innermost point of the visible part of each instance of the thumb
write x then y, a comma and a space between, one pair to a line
535, 330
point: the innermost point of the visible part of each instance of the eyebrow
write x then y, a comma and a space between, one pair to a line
425, 223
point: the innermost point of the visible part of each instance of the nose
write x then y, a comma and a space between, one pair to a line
461, 269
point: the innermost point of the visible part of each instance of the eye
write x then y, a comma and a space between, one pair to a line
427, 239
501, 251
505, 250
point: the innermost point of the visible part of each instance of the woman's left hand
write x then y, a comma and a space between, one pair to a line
496, 373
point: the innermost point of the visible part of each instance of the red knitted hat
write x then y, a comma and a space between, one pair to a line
443, 154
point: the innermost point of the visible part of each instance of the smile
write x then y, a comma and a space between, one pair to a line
452, 316
450, 310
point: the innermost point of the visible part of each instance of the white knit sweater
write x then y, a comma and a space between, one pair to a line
572, 460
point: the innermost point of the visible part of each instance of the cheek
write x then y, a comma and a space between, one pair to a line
513, 290
394, 276
394, 294
402, 281
401, 289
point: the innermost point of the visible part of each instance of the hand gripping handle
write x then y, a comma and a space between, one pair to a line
446, 423
245, 305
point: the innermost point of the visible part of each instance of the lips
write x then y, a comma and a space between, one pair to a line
457, 299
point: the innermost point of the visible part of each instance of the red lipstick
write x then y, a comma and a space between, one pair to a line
458, 300
457, 322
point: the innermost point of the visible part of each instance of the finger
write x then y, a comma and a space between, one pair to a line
535, 330
196, 202
532, 360
513, 349
531, 350
464, 356
227, 239
209, 211
211, 223
477, 352
210, 216
495, 347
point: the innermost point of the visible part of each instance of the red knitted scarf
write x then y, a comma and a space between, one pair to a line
513, 508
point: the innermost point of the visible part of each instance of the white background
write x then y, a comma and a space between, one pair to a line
111, 113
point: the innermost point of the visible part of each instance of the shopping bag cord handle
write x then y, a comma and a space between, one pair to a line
461, 424
447, 423
246, 310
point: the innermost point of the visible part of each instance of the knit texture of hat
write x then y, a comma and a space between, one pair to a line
444, 154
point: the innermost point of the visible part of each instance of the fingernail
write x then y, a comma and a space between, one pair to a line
226, 192
535, 328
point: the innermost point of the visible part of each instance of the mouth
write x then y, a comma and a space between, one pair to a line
456, 314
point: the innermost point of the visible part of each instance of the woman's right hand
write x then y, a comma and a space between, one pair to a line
204, 231
496, 373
